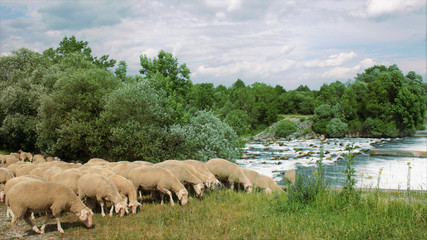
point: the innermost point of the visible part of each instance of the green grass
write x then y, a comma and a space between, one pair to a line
231, 215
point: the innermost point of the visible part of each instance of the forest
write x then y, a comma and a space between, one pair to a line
68, 103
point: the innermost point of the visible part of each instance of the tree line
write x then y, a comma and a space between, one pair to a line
68, 103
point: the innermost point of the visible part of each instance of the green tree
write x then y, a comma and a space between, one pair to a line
71, 45
69, 125
202, 96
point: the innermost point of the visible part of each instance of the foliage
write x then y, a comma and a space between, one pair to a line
349, 191
285, 128
336, 128
204, 137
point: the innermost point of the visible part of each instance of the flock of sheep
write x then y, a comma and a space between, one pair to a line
49, 185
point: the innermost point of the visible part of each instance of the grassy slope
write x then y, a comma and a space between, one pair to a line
230, 215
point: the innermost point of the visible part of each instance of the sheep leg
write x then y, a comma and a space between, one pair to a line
49, 215
170, 196
111, 210
101, 202
58, 225
29, 221
9, 213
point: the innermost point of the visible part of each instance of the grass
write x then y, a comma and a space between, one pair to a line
227, 214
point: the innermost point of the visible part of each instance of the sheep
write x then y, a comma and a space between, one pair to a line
9, 159
68, 178
38, 158
124, 168
159, 179
25, 155
204, 178
43, 196
101, 188
39, 171
290, 176
49, 173
17, 155
14, 181
229, 173
257, 180
201, 168
5, 176
96, 161
184, 176
127, 189
24, 169
12, 167
272, 184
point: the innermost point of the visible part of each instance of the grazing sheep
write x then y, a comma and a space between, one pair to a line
43, 196
25, 155
101, 188
9, 159
124, 168
24, 169
39, 171
258, 181
201, 168
184, 176
96, 161
159, 179
204, 178
68, 178
272, 184
12, 167
14, 154
49, 173
12, 183
127, 189
229, 173
38, 158
290, 176
5, 175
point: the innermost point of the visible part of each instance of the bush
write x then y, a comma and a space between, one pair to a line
336, 128
204, 137
285, 128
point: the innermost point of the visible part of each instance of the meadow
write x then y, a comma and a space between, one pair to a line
227, 214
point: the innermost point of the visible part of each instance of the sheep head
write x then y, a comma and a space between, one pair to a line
134, 206
183, 196
85, 215
122, 208
248, 187
199, 188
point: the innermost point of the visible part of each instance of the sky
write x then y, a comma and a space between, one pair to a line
278, 42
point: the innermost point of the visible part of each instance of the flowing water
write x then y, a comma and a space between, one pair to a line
385, 172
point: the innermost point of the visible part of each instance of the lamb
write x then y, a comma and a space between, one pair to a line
229, 173
184, 176
257, 180
159, 179
25, 155
201, 167
43, 196
101, 188
127, 189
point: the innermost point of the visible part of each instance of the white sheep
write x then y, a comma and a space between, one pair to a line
229, 173
124, 168
101, 188
68, 178
208, 182
5, 176
12, 183
38, 158
49, 173
159, 179
290, 176
213, 182
184, 176
272, 184
9, 159
43, 196
24, 169
127, 189
258, 181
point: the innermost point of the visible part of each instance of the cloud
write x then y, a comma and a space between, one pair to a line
383, 9
77, 15
332, 60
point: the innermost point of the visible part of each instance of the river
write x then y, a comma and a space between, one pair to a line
385, 172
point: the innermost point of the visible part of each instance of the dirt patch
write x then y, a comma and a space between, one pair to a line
6, 232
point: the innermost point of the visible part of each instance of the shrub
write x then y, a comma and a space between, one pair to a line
285, 128
336, 128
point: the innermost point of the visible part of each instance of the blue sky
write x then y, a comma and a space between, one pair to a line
283, 42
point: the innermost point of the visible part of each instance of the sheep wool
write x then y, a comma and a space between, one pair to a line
229, 173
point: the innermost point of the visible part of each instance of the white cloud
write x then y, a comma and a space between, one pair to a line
382, 9
332, 60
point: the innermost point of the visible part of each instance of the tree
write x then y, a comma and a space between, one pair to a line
137, 116
202, 96
71, 45
69, 125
